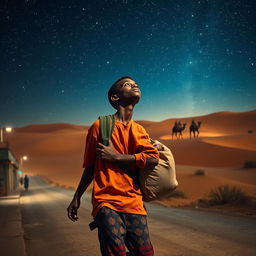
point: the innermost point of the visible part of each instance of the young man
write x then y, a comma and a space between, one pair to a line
118, 208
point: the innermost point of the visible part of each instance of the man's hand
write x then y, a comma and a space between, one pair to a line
106, 152
72, 209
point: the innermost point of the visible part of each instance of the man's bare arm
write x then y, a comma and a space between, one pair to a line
108, 153
85, 181
130, 159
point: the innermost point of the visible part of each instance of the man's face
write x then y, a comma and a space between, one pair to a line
128, 88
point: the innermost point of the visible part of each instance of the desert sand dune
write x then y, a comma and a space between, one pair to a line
42, 128
199, 186
199, 152
224, 123
55, 151
240, 141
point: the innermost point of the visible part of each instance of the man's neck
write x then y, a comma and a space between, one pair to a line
124, 114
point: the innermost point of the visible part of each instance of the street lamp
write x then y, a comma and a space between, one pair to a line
2, 129
23, 158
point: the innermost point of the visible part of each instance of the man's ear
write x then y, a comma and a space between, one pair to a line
114, 97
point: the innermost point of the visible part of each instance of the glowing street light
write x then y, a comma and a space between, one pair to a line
23, 158
2, 129
8, 129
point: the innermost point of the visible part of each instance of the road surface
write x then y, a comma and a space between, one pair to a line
174, 231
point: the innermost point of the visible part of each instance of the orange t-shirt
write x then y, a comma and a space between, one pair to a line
115, 185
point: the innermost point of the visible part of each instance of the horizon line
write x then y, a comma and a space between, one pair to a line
67, 123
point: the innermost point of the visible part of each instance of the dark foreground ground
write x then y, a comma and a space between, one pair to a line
174, 231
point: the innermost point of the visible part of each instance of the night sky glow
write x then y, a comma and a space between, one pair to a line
58, 58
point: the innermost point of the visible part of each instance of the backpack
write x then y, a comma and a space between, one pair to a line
154, 183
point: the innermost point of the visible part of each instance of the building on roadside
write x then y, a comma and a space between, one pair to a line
8, 172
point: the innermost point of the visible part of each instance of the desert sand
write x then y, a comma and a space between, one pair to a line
226, 141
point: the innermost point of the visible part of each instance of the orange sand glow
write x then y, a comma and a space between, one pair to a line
55, 151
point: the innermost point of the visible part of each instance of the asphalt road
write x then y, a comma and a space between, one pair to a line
48, 231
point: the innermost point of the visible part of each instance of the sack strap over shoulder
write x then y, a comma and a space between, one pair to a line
107, 124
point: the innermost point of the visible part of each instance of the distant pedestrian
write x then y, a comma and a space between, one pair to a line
26, 182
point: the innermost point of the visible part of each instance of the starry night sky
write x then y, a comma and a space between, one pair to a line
58, 58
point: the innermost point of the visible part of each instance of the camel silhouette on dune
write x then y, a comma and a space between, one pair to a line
194, 128
177, 129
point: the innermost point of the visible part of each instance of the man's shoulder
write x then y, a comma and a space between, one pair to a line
96, 124
94, 128
138, 126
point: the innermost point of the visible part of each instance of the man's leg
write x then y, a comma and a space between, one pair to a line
137, 235
111, 232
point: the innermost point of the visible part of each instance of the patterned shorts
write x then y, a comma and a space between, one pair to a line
121, 231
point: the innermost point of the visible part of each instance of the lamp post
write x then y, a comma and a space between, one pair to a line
23, 158
2, 130
20, 172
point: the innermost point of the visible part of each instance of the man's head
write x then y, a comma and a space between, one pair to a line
124, 91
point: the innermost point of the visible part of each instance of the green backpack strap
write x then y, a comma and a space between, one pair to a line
107, 124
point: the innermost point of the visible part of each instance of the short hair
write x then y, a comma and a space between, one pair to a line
113, 90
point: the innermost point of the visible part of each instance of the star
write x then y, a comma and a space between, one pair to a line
74, 45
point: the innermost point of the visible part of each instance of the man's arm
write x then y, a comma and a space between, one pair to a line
85, 181
130, 159
108, 153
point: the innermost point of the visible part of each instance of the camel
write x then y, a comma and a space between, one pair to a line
194, 128
178, 128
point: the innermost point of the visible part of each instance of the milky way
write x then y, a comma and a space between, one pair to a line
58, 58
